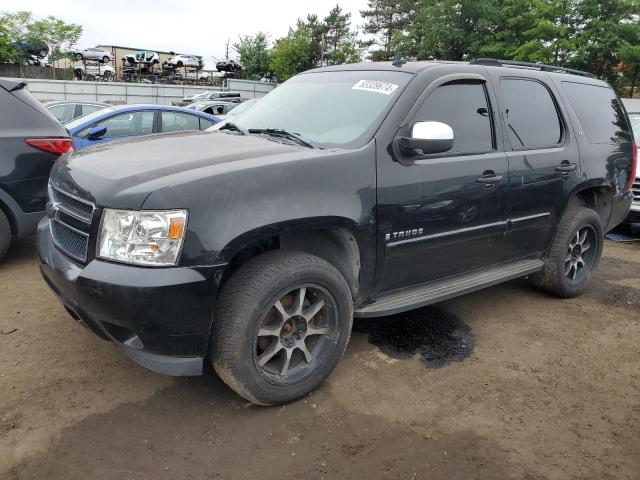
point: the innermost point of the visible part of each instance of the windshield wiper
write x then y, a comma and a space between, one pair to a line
280, 132
233, 127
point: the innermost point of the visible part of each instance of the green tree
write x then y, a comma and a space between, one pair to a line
253, 51
336, 33
8, 53
292, 54
59, 36
388, 21
600, 27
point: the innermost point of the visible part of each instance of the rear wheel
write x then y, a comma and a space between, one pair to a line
105, 59
5, 234
78, 56
282, 323
573, 255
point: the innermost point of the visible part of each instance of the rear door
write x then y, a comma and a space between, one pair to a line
438, 216
543, 160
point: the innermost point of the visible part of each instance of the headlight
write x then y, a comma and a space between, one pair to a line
152, 238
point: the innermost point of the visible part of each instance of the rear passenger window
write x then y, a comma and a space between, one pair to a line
464, 107
176, 122
530, 113
599, 112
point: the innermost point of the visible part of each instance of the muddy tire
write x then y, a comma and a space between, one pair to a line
282, 323
5, 234
573, 254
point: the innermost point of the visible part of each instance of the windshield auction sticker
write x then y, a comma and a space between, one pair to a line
375, 86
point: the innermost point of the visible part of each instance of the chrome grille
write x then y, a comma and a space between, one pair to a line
73, 242
71, 223
71, 204
636, 191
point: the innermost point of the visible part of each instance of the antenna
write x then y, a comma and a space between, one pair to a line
398, 61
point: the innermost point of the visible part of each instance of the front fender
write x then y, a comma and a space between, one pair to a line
248, 200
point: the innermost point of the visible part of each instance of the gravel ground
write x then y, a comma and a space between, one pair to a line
504, 383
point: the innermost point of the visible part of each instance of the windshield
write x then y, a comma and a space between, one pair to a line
635, 125
243, 107
333, 108
87, 118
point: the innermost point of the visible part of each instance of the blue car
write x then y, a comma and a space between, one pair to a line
125, 121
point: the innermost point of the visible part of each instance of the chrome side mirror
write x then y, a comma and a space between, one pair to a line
427, 138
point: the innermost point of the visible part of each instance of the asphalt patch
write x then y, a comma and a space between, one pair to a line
439, 337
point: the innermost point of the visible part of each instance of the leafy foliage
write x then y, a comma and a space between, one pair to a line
58, 36
253, 51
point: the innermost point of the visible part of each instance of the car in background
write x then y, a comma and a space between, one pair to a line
32, 48
125, 121
31, 141
229, 66
180, 61
633, 110
240, 108
67, 110
213, 107
142, 56
214, 95
95, 70
99, 54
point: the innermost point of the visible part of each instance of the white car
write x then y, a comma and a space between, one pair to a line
141, 56
180, 61
99, 54
105, 71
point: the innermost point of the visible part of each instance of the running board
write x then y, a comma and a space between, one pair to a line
437, 291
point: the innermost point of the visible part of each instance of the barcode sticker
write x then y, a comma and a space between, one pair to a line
375, 86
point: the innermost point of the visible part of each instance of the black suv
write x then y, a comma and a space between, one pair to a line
31, 140
358, 190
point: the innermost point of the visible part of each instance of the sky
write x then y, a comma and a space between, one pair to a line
184, 26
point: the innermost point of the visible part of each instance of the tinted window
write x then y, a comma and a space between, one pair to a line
530, 113
599, 112
204, 123
175, 122
464, 107
86, 109
126, 125
64, 112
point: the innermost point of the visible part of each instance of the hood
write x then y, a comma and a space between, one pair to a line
123, 174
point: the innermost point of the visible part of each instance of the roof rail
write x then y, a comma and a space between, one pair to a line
493, 62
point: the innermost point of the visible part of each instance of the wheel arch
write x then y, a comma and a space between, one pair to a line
334, 239
596, 195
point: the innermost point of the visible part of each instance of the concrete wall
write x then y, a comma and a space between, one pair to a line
130, 93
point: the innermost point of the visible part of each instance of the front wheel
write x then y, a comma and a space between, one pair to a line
282, 323
105, 59
5, 234
573, 255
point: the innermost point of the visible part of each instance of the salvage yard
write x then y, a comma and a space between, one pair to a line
504, 383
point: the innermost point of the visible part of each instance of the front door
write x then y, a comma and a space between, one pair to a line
444, 214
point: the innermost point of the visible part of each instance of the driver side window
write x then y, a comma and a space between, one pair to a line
129, 124
463, 106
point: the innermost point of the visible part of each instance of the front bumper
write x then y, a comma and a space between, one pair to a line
160, 316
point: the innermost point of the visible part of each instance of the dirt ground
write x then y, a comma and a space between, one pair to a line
507, 383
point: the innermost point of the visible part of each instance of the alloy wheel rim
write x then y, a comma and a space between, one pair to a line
295, 334
580, 253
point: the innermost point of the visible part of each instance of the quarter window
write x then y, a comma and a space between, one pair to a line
465, 108
64, 112
530, 113
599, 112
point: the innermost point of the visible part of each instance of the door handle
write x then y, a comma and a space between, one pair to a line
489, 179
566, 167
